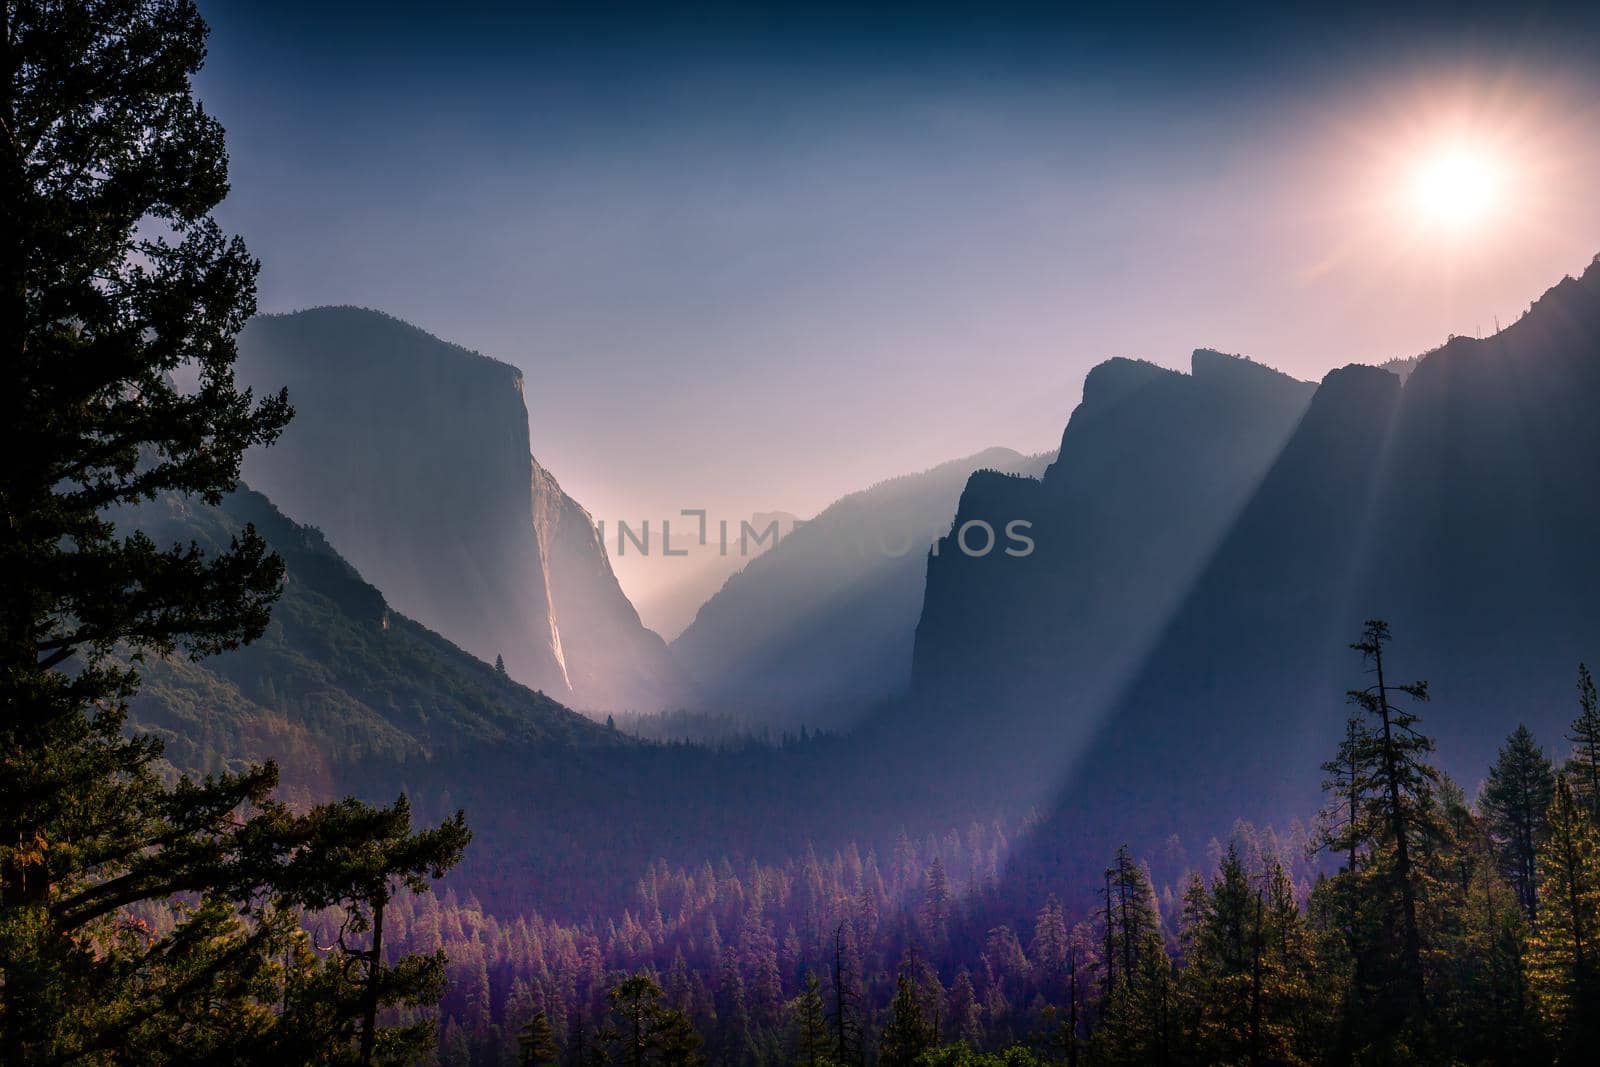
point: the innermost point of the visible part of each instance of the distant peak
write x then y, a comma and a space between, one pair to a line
1114, 379
349, 329
1207, 364
1356, 382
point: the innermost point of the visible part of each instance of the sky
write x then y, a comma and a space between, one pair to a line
755, 257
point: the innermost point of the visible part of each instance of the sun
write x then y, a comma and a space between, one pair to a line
1457, 187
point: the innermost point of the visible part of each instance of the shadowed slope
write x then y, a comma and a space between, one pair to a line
412, 455
820, 627
1462, 506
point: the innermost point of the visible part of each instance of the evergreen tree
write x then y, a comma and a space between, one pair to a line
637, 1017
1391, 760
1140, 1011
964, 1011
846, 998
537, 1043
810, 1023
1563, 956
678, 1043
115, 282
908, 1033
1477, 927
1048, 950
1583, 769
1515, 801
1250, 985
1220, 929
500, 665
936, 904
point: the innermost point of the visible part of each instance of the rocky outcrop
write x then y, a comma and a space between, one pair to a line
1460, 505
610, 659
412, 456
1153, 467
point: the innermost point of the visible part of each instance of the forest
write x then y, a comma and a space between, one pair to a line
250, 813
1407, 923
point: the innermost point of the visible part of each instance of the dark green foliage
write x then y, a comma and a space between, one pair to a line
1389, 786
537, 1043
143, 920
1515, 799
1583, 769
1564, 950
1140, 1003
643, 1030
337, 671
809, 1019
908, 1033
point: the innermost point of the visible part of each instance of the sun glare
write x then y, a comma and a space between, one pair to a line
1447, 176
1457, 187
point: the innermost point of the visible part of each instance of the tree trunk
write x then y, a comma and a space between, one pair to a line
369, 1022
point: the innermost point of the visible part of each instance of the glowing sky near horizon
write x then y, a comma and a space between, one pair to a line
755, 261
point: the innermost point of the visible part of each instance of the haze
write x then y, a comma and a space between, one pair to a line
749, 265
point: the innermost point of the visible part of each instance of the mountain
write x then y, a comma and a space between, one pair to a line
820, 627
350, 696
1154, 465
1461, 505
338, 679
412, 456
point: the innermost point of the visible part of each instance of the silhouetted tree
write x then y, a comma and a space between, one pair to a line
1583, 769
846, 1025
1394, 761
1139, 1015
810, 1023
1516, 798
537, 1043
115, 284
908, 1033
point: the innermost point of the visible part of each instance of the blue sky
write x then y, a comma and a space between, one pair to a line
754, 257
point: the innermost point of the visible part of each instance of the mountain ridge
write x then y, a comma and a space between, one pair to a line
412, 454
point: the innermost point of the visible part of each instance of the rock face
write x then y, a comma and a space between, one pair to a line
338, 680
411, 455
1154, 465
610, 659
819, 628
1461, 505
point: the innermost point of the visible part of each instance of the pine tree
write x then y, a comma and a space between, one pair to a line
1140, 1011
1392, 765
1563, 954
810, 1023
1583, 769
1049, 948
678, 1043
908, 1033
846, 998
500, 665
537, 1043
640, 1025
936, 904
115, 283
1476, 928
1220, 926
1514, 803
966, 1014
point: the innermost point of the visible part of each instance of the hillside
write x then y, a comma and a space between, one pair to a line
340, 678
820, 628
412, 456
